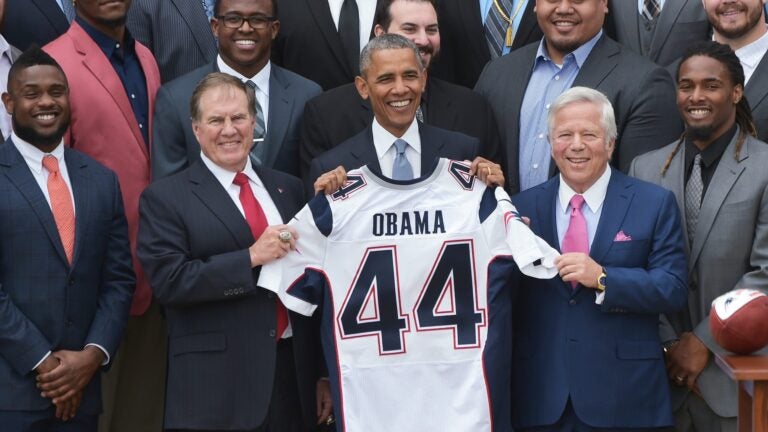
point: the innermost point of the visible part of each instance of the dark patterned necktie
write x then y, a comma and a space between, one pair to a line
694, 190
651, 9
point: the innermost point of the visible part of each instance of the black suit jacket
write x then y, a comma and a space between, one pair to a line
463, 48
338, 114
309, 44
359, 150
193, 243
33, 21
642, 95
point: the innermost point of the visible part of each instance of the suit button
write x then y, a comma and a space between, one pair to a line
71, 281
272, 333
572, 302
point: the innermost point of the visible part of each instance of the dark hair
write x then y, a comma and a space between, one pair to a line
217, 5
215, 80
33, 56
384, 13
725, 55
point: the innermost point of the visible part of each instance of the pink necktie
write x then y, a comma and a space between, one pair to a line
576, 238
61, 205
257, 220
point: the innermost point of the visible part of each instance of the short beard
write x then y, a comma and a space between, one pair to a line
752, 21
114, 23
699, 133
564, 47
37, 139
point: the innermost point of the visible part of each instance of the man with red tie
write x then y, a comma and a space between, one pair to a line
237, 361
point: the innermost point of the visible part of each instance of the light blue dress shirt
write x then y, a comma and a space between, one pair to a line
486, 5
547, 82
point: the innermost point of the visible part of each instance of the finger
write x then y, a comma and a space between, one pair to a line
69, 394
527, 220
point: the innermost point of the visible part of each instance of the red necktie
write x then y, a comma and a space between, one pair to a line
576, 238
61, 205
257, 220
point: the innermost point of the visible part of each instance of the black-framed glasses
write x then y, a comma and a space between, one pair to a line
235, 21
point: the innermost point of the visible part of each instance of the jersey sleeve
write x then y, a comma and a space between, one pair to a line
295, 277
507, 234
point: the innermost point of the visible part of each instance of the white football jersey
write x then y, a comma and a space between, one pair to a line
412, 280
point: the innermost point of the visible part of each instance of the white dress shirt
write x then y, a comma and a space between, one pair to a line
751, 54
386, 152
366, 10
261, 79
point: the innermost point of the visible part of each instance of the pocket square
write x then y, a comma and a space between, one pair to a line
621, 237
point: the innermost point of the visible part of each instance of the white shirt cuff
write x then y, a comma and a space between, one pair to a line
42, 360
106, 354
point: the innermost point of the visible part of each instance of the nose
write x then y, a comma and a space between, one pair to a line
420, 38
564, 6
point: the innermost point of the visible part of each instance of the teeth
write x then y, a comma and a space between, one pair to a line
245, 42
399, 104
698, 112
44, 116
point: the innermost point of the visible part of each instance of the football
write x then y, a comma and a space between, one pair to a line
738, 320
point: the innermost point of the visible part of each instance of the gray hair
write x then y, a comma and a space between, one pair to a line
384, 42
588, 95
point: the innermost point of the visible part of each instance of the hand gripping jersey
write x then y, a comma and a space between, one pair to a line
412, 281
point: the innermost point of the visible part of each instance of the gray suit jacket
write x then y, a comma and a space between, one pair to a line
174, 146
680, 23
176, 31
642, 94
756, 92
730, 249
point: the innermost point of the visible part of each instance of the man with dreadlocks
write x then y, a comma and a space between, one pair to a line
717, 172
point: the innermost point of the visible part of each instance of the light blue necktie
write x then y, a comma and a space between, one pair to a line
69, 9
401, 168
258, 128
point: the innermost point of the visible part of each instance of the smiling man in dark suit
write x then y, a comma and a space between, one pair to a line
245, 30
65, 261
236, 361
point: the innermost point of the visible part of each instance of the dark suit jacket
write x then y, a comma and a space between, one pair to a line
309, 44
175, 146
642, 95
46, 303
336, 115
176, 31
463, 48
680, 24
194, 243
756, 92
606, 358
33, 21
359, 150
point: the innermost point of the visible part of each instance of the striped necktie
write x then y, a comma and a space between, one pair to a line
496, 25
258, 128
651, 9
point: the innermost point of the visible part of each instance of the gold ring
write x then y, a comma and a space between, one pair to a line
489, 169
285, 236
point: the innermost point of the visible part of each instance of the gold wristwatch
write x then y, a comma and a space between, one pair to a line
601, 281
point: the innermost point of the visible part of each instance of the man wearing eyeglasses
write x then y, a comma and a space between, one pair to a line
245, 30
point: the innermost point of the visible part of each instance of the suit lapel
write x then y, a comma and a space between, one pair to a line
322, 14
95, 61
280, 107
599, 64
757, 87
205, 186
81, 191
438, 104
546, 206
674, 180
276, 192
198, 25
18, 173
53, 14
365, 152
619, 195
727, 172
666, 21
513, 109
430, 148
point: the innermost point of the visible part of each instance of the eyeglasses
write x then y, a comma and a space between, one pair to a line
257, 22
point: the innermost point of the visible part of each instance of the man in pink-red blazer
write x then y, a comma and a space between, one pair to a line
113, 81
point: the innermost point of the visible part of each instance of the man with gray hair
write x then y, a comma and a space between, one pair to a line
587, 354
396, 144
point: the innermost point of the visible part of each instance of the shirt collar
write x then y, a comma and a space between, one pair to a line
227, 177
714, 151
5, 47
594, 196
752, 53
106, 43
383, 140
33, 156
580, 54
261, 79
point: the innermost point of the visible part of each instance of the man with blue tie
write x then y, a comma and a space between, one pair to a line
587, 354
65, 261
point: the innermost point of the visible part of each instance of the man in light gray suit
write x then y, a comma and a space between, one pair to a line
717, 172
660, 34
177, 32
746, 33
520, 87
245, 30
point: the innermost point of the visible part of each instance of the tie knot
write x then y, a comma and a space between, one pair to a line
400, 146
697, 159
251, 85
51, 164
577, 201
240, 179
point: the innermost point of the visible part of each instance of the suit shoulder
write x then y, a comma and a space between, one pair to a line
304, 84
514, 59
654, 156
96, 167
447, 135
646, 192
338, 96
455, 92
187, 82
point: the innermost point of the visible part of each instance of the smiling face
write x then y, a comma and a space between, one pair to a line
38, 102
224, 128
394, 82
568, 24
245, 49
579, 145
706, 98
417, 21
736, 19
